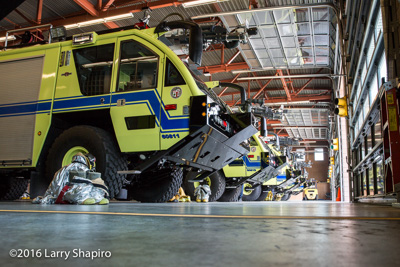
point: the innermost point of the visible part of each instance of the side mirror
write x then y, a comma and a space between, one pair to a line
195, 37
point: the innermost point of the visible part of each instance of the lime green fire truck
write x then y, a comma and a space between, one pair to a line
260, 165
291, 181
283, 191
122, 96
311, 192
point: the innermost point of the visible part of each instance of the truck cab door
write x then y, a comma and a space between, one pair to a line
135, 102
175, 106
84, 78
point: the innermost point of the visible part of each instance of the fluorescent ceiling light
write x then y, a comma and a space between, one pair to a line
305, 76
267, 68
254, 70
201, 2
98, 21
9, 38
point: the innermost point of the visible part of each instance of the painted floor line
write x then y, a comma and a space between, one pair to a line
208, 216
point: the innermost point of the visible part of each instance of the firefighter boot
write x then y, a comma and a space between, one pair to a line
89, 201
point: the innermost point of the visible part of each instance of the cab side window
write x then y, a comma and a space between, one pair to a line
94, 67
138, 68
172, 75
253, 142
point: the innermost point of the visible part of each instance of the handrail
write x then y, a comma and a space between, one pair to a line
50, 26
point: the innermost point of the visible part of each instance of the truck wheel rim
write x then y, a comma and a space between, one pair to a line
247, 192
67, 159
207, 180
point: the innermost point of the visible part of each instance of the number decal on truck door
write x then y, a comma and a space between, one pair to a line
170, 136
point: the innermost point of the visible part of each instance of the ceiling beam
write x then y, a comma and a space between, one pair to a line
302, 127
117, 10
10, 21
285, 86
299, 99
39, 11
233, 57
217, 8
272, 89
224, 67
291, 106
111, 25
107, 5
214, 47
290, 82
88, 7
274, 78
262, 87
261, 90
274, 122
307, 83
31, 22
294, 99
303, 76
280, 131
253, 3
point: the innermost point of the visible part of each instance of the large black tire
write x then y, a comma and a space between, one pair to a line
263, 195
12, 188
231, 194
100, 144
252, 195
216, 183
157, 186
286, 197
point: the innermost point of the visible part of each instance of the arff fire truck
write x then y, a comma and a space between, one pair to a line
122, 96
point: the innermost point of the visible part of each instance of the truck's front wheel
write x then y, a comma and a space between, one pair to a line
96, 141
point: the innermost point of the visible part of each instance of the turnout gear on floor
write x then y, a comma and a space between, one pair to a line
270, 196
76, 183
202, 193
180, 197
84, 191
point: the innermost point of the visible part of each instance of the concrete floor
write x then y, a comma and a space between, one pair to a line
197, 234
